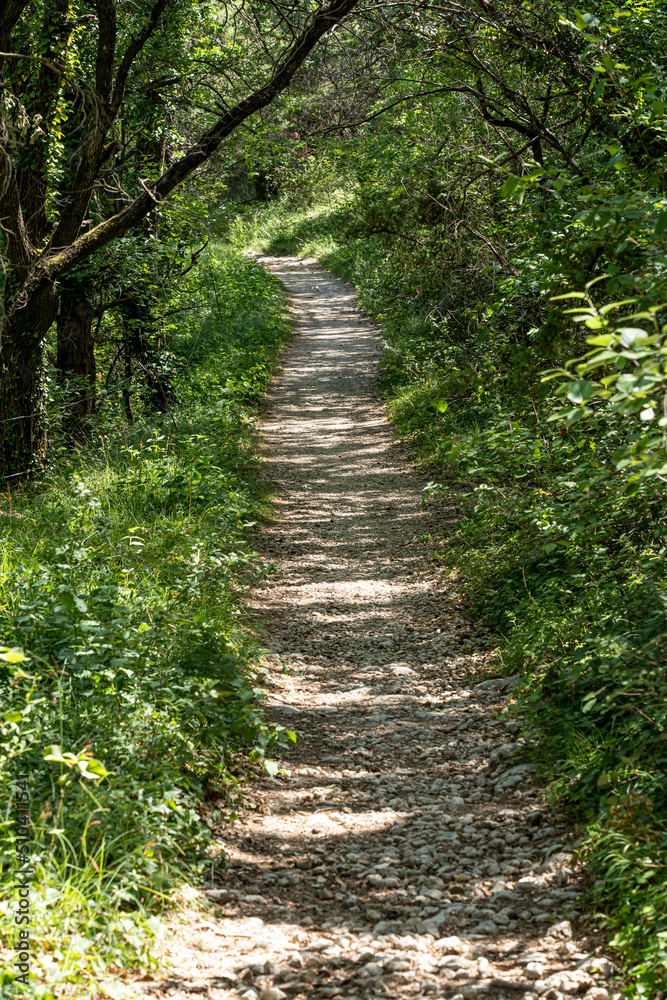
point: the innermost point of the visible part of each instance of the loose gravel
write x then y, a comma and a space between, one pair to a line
410, 853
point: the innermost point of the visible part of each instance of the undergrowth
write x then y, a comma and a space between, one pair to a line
127, 674
557, 550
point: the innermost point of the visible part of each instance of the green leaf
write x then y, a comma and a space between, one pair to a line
271, 767
94, 769
661, 223
510, 186
579, 391
594, 281
12, 655
54, 752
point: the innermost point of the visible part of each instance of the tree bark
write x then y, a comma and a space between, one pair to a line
22, 417
140, 346
75, 358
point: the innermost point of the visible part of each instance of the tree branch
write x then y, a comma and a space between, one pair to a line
133, 49
106, 49
63, 255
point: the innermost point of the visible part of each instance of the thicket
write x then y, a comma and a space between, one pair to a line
523, 162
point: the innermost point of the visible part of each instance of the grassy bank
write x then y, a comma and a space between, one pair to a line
561, 553
127, 673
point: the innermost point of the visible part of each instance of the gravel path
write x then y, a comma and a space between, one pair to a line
409, 854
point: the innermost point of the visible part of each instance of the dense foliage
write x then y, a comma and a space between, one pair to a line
508, 229
92, 142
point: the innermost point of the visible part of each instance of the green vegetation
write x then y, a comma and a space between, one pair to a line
123, 571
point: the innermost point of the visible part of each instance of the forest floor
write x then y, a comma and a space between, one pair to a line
410, 853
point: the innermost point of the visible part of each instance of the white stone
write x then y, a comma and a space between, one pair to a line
561, 931
397, 965
218, 895
272, 993
454, 945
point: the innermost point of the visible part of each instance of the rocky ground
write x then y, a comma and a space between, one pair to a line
410, 853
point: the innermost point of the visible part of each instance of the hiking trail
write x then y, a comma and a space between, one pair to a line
410, 853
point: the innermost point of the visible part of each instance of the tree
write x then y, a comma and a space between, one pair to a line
67, 80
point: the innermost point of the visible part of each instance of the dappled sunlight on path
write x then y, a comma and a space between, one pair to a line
409, 853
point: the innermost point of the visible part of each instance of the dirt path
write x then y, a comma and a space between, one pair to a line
409, 854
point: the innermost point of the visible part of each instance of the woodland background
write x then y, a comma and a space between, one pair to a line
493, 179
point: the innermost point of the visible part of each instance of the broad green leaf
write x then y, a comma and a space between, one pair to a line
94, 769
510, 186
579, 391
630, 334
13, 655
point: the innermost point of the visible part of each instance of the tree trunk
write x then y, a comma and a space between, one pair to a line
22, 413
138, 322
75, 358
22, 423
